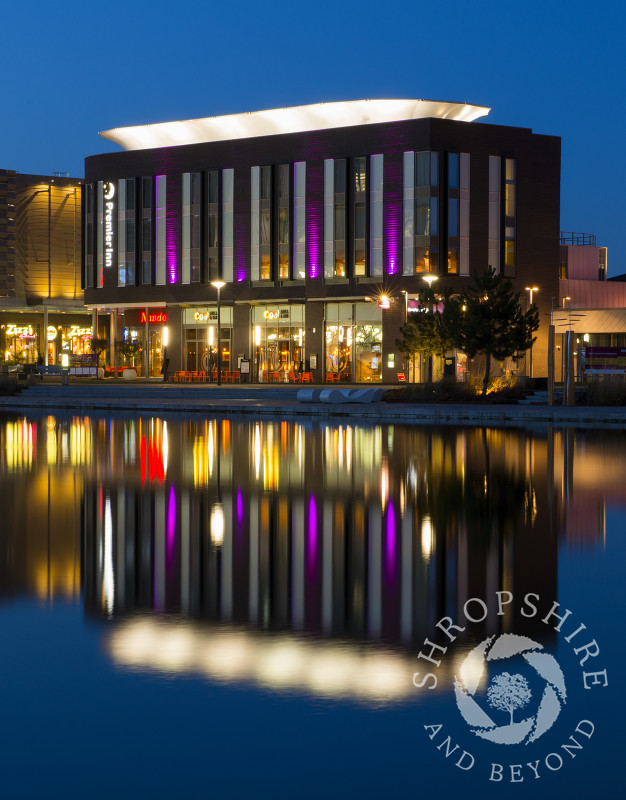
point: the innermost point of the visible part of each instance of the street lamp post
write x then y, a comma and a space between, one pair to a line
531, 290
165, 343
218, 285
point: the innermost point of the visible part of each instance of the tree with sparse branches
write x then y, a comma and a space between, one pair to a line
433, 329
508, 692
493, 322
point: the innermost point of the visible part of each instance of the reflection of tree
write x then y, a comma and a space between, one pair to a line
508, 692
367, 336
485, 498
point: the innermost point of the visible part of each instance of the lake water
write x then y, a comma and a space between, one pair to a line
230, 608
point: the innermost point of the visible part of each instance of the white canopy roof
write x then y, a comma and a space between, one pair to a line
320, 116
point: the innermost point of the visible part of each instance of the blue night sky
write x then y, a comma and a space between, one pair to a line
72, 69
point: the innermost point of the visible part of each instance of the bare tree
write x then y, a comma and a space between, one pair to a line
508, 692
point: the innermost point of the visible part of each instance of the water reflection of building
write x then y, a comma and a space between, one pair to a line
354, 538
345, 533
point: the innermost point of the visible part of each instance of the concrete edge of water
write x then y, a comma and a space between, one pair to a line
589, 416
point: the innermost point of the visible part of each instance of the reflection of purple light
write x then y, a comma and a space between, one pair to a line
391, 551
311, 550
239, 506
171, 529
314, 190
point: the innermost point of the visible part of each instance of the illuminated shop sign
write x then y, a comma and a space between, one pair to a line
204, 316
76, 330
109, 193
154, 317
271, 314
22, 331
52, 333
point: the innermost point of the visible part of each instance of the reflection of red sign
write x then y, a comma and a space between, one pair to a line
152, 466
153, 317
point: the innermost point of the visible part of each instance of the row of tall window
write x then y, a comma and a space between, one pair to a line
435, 221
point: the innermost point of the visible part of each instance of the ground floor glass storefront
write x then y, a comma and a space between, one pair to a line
202, 344
22, 339
354, 342
279, 340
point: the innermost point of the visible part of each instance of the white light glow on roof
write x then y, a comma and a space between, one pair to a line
320, 116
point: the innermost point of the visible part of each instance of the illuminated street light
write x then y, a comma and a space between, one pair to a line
532, 290
218, 285
165, 338
430, 278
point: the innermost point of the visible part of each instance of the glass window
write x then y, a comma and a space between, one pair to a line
196, 188
453, 216
265, 226
453, 260
340, 176
146, 273
453, 170
422, 216
146, 234
130, 194
283, 265
213, 186
130, 235
283, 226
213, 230
340, 263
340, 222
359, 221
426, 259
509, 169
359, 261
265, 267
360, 175
146, 193
266, 183
283, 181
509, 200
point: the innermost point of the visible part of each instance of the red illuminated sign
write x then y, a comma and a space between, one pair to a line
154, 317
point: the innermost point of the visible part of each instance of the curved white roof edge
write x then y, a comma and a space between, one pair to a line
320, 116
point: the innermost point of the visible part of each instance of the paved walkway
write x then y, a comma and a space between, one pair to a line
281, 401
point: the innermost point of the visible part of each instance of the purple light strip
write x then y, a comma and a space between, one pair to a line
392, 216
314, 218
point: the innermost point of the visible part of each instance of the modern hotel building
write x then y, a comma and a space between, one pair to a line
321, 221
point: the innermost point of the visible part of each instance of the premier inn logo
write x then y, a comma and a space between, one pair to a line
509, 691
109, 193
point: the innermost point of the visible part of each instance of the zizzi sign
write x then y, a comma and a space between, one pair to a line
109, 193
23, 331
154, 317
75, 330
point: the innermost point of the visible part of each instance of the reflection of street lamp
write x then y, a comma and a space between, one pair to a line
531, 289
217, 524
257, 344
564, 299
218, 285
166, 338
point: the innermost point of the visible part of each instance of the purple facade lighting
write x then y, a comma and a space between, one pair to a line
314, 218
392, 216
239, 506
